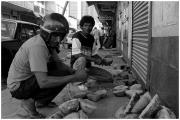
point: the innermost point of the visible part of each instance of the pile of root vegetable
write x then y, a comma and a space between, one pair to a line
79, 100
74, 109
141, 104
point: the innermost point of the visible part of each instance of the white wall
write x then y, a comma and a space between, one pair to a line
165, 19
130, 30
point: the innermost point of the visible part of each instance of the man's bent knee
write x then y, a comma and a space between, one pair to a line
109, 78
105, 77
81, 59
80, 63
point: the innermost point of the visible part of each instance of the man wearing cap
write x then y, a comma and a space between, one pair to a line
36, 76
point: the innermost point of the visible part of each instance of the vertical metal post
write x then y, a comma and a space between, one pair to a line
130, 32
150, 45
65, 6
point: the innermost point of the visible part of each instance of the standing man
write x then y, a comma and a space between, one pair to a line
102, 37
83, 52
96, 35
36, 75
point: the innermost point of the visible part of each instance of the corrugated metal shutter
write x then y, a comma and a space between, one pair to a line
140, 38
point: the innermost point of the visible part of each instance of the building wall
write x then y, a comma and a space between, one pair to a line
121, 18
84, 8
60, 6
165, 53
19, 10
13, 9
39, 8
24, 4
92, 12
70, 15
50, 7
124, 28
6, 13
129, 30
118, 27
30, 11
73, 9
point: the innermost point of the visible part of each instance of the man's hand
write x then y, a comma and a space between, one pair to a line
98, 61
81, 75
107, 61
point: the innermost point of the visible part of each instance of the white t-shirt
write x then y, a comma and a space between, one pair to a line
96, 34
76, 47
101, 32
31, 57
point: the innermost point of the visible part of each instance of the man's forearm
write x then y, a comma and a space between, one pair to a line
54, 55
87, 57
58, 81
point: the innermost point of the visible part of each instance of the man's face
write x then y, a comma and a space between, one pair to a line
54, 41
55, 38
87, 28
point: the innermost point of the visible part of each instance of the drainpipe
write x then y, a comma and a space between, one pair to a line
65, 6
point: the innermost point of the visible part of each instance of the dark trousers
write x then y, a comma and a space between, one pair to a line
30, 88
101, 40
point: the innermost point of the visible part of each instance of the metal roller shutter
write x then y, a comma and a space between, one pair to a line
140, 38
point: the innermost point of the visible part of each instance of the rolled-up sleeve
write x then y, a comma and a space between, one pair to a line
76, 46
38, 58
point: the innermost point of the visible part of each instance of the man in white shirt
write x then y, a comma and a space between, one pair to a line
84, 52
36, 76
102, 37
96, 34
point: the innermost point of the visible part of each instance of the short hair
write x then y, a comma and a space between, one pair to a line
87, 19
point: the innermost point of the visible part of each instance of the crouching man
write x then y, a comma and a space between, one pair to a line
36, 75
84, 52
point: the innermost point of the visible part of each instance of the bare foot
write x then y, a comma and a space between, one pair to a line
29, 106
50, 105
